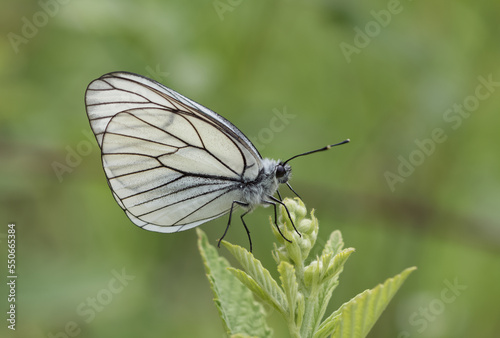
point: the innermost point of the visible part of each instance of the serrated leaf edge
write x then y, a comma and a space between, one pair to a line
335, 321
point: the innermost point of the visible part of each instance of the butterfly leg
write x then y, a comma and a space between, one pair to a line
229, 222
279, 195
248, 231
289, 186
276, 222
288, 213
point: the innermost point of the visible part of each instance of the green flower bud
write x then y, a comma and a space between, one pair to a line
301, 242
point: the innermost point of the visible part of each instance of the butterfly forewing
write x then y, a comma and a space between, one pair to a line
171, 163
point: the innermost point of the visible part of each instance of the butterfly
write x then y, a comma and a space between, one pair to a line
173, 164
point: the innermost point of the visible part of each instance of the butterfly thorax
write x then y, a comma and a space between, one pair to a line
272, 174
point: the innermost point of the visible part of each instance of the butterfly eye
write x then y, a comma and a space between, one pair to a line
280, 171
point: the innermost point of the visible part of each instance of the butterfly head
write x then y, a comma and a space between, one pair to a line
282, 172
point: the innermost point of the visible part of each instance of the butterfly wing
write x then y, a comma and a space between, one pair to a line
171, 163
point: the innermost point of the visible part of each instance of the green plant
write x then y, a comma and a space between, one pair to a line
304, 291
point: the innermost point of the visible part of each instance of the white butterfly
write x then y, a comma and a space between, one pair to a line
173, 164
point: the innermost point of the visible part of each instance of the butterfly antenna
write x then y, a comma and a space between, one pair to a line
315, 151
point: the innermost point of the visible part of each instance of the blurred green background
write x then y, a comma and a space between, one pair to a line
338, 73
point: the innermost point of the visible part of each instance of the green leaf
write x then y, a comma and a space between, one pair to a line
241, 315
256, 274
323, 298
319, 271
290, 287
336, 266
257, 290
334, 243
301, 309
321, 278
355, 318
